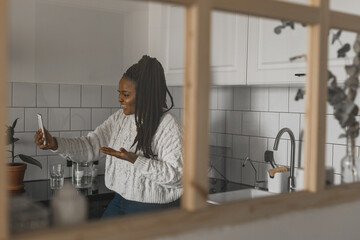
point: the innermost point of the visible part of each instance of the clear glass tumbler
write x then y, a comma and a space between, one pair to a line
56, 176
82, 174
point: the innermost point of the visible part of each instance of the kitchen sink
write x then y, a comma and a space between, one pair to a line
223, 197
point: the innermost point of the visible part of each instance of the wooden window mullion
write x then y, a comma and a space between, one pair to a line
196, 98
316, 94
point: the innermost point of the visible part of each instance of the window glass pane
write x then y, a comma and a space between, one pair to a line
66, 59
252, 98
343, 58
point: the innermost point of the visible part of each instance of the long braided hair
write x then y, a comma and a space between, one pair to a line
150, 102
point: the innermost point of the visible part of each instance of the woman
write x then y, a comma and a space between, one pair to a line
143, 143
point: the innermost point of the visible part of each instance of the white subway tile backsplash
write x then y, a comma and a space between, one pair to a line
182, 116
213, 98
217, 121
296, 106
91, 96
80, 119
302, 124
259, 99
224, 140
240, 147
72, 134
225, 98
84, 133
242, 98
101, 166
24, 95
212, 139
110, 96
233, 134
98, 116
278, 99
14, 113
226, 144
217, 167
338, 153
251, 123
333, 131
329, 108
233, 170
299, 145
248, 173
292, 121
34, 172
280, 155
269, 124
9, 94
47, 95
328, 155
31, 122
70, 95
26, 144
258, 146
233, 122
59, 119
168, 100
178, 97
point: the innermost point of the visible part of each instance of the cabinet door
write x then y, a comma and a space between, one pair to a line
228, 45
269, 53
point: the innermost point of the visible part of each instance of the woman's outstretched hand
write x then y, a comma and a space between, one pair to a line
122, 154
51, 142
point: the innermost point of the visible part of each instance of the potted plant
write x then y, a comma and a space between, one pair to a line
15, 170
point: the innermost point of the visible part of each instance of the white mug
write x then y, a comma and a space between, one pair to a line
279, 183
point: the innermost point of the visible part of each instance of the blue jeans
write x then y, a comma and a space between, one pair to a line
121, 206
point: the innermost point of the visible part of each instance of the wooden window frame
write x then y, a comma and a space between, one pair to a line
194, 212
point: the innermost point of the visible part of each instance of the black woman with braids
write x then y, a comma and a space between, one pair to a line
142, 141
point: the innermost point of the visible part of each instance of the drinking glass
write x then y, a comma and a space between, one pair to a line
56, 176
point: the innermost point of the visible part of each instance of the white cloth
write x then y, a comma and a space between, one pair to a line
155, 180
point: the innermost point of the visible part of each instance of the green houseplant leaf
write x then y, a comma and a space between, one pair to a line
30, 160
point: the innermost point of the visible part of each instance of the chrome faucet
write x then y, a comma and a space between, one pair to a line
256, 186
291, 179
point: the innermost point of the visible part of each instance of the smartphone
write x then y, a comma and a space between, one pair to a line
41, 125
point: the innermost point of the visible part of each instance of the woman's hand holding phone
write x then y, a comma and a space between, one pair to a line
51, 142
43, 138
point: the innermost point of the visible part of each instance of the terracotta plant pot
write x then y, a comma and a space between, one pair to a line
16, 173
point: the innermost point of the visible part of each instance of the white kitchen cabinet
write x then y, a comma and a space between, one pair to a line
269, 53
228, 44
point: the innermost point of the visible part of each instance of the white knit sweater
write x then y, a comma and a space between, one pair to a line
155, 180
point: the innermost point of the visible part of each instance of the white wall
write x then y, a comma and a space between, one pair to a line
75, 42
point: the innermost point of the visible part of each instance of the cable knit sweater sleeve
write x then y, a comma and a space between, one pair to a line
166, 170
86, 149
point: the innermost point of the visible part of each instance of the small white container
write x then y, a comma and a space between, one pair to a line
279, 183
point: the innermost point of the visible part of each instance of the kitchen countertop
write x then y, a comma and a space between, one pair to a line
38, 196
40, 191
